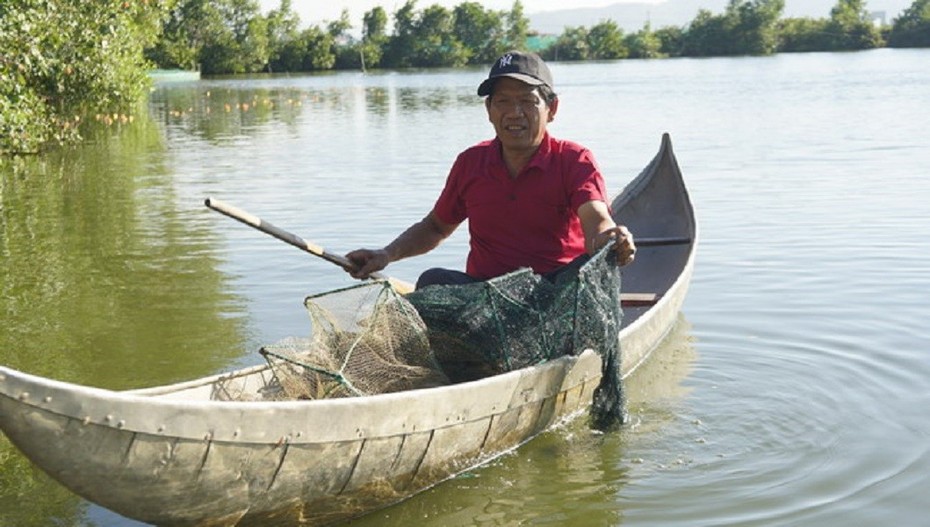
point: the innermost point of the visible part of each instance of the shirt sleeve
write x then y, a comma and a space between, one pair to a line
587, 182
450, 206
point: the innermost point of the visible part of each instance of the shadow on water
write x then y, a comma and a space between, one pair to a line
569, 465
105, 283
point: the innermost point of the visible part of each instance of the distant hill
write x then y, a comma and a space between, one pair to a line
632, 16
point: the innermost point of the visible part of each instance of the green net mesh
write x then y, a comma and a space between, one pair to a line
368, 339
522, 319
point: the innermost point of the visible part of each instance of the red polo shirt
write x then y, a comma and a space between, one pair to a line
529, 221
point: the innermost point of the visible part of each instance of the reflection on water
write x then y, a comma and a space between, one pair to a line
104, 283
218, 113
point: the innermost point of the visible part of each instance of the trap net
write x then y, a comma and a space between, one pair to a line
365, 340
368, 339
522, 319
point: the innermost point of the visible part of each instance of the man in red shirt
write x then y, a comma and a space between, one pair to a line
531, 200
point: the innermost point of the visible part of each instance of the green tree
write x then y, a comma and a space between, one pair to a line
424, 39
283, 28
437, 44
912, 28
339, 28
518, 27
401, 47
706, 35
65, 61
755, 25
605, 42
745, 28
318, 48
220, 36
374, 36
803, 35
243, 47
481, 32
851, 27
374, 25
346, 49
670, 40
644, 44
189, 26
572, 45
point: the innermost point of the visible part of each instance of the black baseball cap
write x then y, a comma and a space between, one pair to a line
526, 67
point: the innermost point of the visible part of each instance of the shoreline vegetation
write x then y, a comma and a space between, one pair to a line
67, 62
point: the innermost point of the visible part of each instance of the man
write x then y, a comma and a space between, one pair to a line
531, 200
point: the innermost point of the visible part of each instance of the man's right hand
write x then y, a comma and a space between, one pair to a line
367, 261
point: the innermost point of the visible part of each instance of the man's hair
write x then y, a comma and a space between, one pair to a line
547, 94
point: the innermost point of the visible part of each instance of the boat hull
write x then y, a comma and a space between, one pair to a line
197, 463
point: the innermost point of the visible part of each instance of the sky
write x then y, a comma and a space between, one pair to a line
314, 12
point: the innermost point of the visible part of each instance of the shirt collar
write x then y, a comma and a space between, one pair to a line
540, 158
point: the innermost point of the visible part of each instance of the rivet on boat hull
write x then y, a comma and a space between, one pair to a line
23, 396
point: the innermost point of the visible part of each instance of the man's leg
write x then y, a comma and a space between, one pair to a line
439, 276
570, 268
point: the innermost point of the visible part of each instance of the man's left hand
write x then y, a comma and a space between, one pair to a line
625, 246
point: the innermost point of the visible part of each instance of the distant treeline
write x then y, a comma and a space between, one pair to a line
68, 64
233, 36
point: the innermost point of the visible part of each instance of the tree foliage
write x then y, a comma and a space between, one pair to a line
645, 44
912, 28
481, 32
65, 61
745, 28
851, 28
605, 42
518, 27
470, 34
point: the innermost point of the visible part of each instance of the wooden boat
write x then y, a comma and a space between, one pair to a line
211, 452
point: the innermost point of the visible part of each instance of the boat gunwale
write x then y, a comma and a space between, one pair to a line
293, 420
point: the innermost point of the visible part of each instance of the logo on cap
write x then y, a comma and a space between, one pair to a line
506, 60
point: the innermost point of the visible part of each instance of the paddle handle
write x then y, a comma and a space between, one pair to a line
254, 221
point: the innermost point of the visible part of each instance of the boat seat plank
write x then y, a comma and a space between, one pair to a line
638, 299
660, 241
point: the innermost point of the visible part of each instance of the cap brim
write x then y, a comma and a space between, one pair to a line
485, 87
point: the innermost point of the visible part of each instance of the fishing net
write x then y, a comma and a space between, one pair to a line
522, 319
365, 340
368, 339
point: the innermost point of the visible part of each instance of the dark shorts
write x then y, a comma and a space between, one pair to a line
440, 276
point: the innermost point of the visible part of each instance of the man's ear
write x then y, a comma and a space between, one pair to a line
553, 108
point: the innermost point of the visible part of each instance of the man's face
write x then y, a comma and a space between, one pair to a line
519, 114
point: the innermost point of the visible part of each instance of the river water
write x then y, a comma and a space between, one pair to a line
794, 390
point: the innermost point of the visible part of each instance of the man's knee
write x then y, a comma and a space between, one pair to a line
439, 276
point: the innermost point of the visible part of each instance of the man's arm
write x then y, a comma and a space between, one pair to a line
421, 237
599, 229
